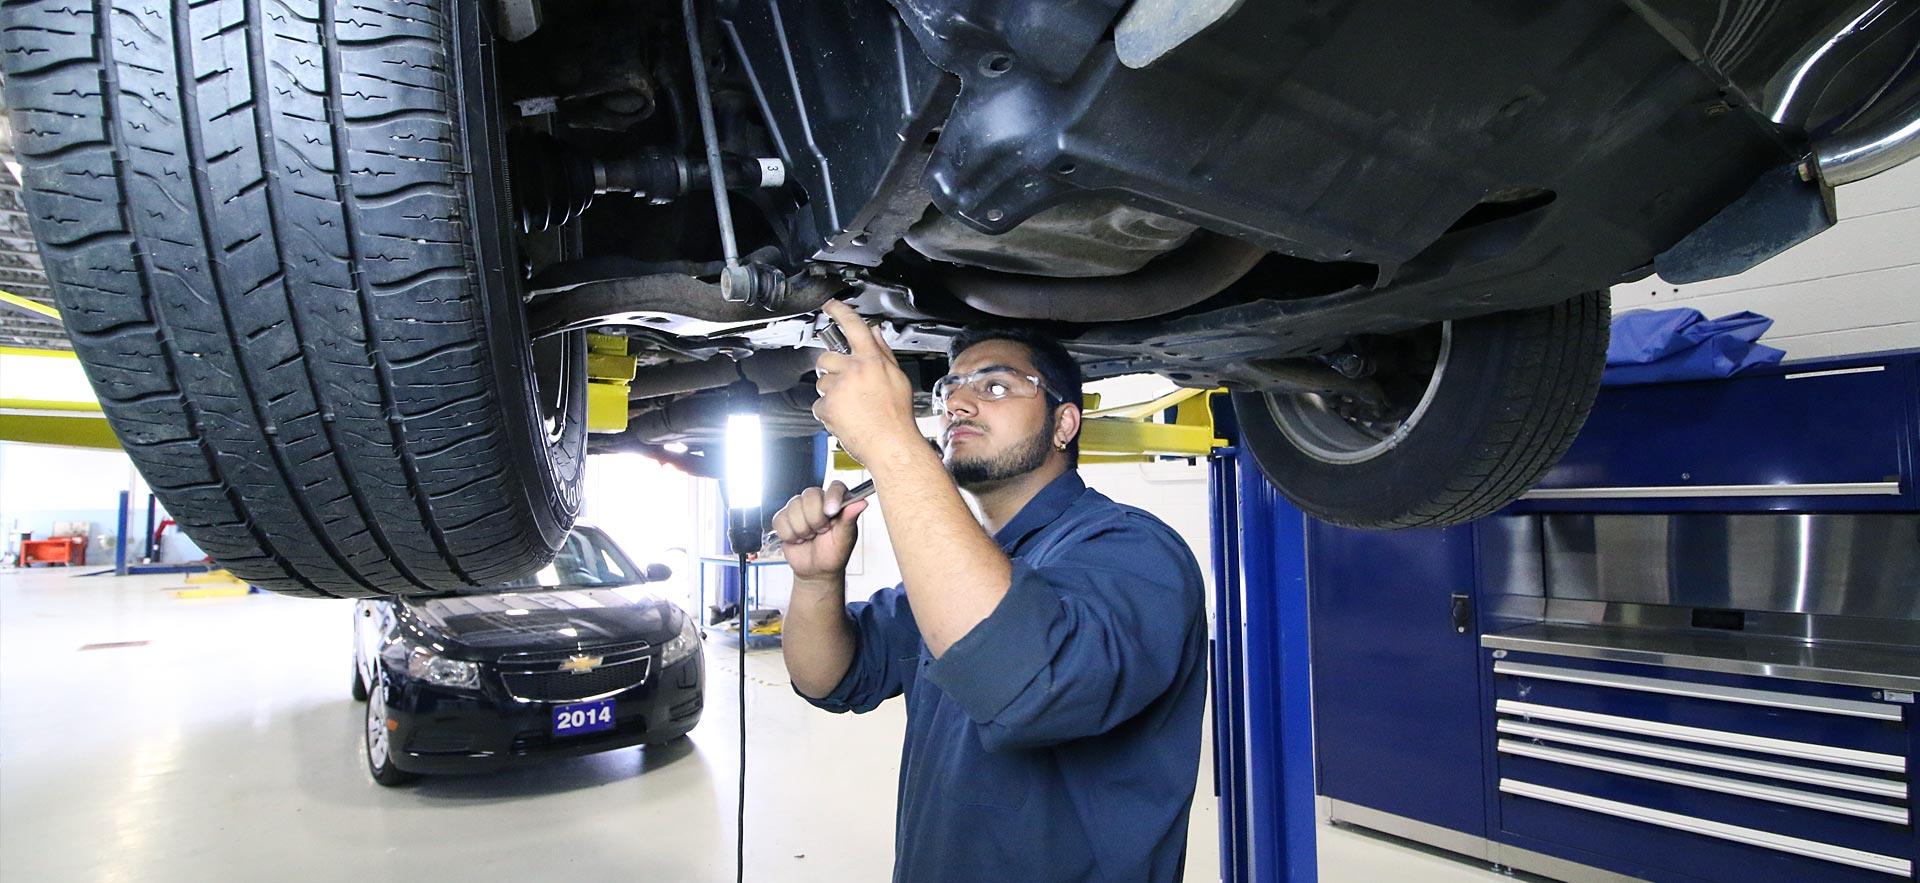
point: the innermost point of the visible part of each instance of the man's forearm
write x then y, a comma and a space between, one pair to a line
816, 639
954, 573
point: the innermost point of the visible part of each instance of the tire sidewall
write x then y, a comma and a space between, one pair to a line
560, 465
1421, 467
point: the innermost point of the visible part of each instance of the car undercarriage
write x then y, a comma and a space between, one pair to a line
1246, 203
1388, 227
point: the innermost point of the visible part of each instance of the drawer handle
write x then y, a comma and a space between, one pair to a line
1878, 812
1844, 855
1835, 372
1732, 763
1833, 489
1872, 760
1771, 698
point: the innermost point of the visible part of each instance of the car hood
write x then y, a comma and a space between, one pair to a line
552, 621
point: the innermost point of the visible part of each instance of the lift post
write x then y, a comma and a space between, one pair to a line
1262, 690
122, 566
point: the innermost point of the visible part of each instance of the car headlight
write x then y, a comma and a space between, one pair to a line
683, 645
440, 671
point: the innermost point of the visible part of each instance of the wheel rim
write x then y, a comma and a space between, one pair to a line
554, 379
1314, 426
377, 750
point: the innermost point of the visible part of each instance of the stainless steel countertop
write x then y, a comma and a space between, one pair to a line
1874, 666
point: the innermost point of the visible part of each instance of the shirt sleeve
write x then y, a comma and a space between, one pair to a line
886, 649
1080, 644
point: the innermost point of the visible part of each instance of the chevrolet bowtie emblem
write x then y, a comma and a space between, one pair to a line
581, 663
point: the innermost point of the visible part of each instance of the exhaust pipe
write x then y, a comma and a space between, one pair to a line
1855, 156
1199, 270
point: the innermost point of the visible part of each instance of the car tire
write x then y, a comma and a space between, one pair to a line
379, 744
277, 234
1510, 392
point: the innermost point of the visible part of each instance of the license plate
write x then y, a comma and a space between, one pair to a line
583, 718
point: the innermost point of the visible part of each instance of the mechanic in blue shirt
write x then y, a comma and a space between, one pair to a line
1052, 651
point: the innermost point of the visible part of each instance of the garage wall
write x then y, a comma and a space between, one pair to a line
1852, 289
43, 377
41, 486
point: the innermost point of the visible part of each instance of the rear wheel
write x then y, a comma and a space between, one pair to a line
1474, 413
277, 235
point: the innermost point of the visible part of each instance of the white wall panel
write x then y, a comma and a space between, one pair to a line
1852, 289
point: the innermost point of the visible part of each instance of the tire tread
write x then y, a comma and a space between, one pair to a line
254, 214
1543, 397
1512, 411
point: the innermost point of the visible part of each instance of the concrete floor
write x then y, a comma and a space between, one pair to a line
227, 748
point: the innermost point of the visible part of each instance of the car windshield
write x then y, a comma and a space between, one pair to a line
587, 560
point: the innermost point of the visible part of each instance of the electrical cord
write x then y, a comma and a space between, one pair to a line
740, 822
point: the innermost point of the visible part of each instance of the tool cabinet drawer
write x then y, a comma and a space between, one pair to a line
1707, 776
1671, 846
1818, 439
1847, 722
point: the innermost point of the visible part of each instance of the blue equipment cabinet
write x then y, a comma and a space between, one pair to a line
1831, 436
1393, 663
1690, 655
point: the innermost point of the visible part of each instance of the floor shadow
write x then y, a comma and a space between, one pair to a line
331, 764
1437, 852
557, 775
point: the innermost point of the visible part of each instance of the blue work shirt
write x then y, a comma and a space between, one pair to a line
1060, 738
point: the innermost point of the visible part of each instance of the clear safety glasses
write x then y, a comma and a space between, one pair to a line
987, 385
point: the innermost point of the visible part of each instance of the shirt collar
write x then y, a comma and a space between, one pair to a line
1041, 511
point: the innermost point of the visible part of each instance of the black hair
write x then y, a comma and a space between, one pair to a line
1058, 370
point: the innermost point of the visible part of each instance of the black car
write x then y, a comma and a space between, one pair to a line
576, 659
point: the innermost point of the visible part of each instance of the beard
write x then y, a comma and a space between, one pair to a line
983, 473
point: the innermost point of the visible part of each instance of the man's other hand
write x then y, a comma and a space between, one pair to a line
817, 533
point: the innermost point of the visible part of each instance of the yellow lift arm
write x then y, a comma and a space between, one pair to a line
1124, 434
67, 424
28, 305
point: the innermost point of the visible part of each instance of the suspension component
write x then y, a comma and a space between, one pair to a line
553, 181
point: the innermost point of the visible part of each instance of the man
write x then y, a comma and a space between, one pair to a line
1052, 652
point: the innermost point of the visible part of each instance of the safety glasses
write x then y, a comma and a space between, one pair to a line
987, 385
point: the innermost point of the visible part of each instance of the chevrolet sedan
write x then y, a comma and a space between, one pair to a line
580, 657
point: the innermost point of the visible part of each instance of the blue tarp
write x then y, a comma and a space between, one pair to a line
1656, 346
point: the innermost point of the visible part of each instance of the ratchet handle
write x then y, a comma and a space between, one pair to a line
770, 542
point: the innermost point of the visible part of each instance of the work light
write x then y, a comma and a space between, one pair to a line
745, 469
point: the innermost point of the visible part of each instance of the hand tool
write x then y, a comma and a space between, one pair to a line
861, 491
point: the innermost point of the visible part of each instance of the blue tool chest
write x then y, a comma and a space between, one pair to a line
1691, 655
1829, 436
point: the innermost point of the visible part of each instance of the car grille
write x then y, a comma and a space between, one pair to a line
560, 686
